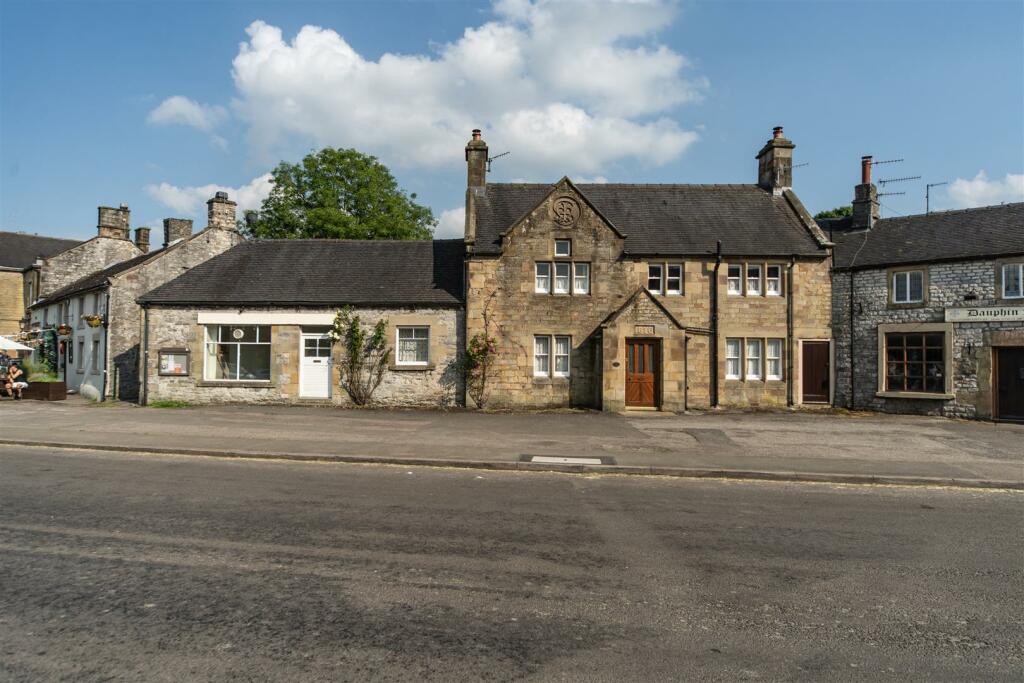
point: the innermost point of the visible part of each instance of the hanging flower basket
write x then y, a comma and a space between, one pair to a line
64, 330
93, 320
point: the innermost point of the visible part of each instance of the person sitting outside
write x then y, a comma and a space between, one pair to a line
16, 379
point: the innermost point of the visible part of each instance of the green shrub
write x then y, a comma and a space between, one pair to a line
169, 403
38, 371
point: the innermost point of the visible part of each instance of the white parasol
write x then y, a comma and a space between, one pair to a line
11, 345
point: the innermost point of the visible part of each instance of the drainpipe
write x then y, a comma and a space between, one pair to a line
144, 389
852, 354
106, 347
686, 372
790, 343
714, 326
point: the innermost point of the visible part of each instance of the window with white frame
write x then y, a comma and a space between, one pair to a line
562, 278
551, 355
562, 346
908, 287
543, 279
773, 359
773, 281
753, 359
674, 278
1013, 281
541, 356
753, 280
81, 311
413, 344
735, 279
563, 247
237, 353
654, 273
581, 278
733, 349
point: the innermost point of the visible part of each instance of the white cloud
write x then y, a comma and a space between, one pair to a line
179, 110
191, 200
980, 191
567, 87
451, 223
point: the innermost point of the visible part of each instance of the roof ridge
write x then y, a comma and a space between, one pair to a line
946, 212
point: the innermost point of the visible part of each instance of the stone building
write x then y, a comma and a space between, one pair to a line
99, 354
251, 325
649, 296
928, 309
21, 256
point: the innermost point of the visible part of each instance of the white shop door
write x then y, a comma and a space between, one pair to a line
315, 371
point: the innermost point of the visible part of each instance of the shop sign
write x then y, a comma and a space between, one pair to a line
978, 314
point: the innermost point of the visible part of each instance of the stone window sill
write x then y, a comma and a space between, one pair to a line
550, 380
915, 394
916, 304
241, 384
411, 368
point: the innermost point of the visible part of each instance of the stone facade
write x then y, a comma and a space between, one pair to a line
959, 284
501, 301
435, 385
93, 255
11, 301
106, 358
125, 315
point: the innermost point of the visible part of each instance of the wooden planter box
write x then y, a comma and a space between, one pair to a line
46, 391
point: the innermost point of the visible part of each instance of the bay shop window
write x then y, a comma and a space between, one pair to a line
237, 353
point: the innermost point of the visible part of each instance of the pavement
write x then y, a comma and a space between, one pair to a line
118, 566
787, 445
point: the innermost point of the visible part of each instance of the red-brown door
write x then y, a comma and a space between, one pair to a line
643, 368
815, 372
1009, 390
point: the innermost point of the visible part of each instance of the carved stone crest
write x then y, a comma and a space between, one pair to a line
566, 211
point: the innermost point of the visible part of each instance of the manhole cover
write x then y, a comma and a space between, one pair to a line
568, 459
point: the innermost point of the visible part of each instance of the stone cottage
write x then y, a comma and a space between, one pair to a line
21, 256
928, 309
98, 352
653, 297
251, 325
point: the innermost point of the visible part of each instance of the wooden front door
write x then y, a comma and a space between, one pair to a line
1009, 389
643, 372
815, 372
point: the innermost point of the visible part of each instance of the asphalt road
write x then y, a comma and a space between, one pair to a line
174, 568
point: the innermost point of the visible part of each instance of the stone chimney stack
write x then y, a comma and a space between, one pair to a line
142, 239
176, 229
113, 223
220, 212
476, 161
865, 199
775, 163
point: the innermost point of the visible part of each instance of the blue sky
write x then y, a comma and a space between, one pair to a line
157, 104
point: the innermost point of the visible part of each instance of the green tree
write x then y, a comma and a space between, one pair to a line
838, 212
338, 194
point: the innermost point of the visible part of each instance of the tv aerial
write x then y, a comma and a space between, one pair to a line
496, 156
928, 195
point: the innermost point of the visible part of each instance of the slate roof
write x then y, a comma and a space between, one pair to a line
322, 273
940, 236
677, 220
97, 279
19, 250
